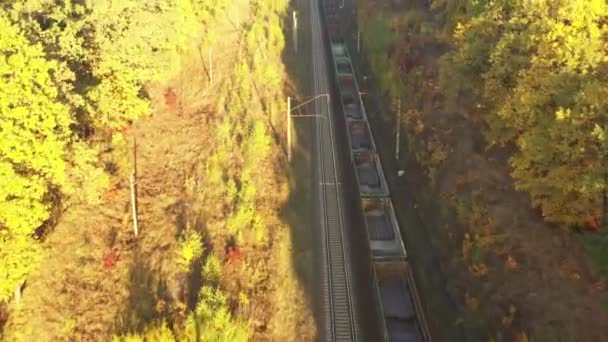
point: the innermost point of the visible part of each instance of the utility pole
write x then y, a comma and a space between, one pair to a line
133, 183
295, 32
358, 41
398, 129
210, 66
290, 117
18, 292
605, 194
288, 128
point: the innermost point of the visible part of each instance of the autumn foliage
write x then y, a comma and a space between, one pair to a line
74, 79
538, 72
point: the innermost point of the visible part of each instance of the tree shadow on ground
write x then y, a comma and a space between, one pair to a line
3, 316
149, 297
299, 213
153, 296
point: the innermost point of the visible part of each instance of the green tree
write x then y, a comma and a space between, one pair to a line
212, 321
212, 270
190, 248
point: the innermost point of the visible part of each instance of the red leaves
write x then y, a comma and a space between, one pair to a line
234, 254
593, 225
408, 57
125, 129
110, 259
171, 98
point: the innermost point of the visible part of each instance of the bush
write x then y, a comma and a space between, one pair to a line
212, 271
190, 248
212, 321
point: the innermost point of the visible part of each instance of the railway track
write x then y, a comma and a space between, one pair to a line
338, 302
401, 312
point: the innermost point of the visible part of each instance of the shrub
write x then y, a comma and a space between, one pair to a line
190, 248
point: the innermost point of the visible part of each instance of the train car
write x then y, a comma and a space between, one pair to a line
359, 136
347, 84
401, 313
332, 22
400, 308
349, 99
343, 67
382, 229
339, 50
369, 174
350, 95
330, 7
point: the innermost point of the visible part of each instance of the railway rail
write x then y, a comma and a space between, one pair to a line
338, 304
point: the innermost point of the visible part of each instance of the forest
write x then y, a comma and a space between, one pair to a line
185, 95
532, 73
504, 107
537, 73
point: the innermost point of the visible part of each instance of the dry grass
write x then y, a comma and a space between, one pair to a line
72, 294
289, 320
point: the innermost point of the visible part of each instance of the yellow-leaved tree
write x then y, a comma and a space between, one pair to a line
71, 69
34, 137
540, 70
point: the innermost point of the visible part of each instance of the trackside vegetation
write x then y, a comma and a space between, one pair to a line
503, 104
80, 81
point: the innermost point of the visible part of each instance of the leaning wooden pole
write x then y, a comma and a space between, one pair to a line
397, 136
288, 128
295, 31
605, 192
210, 65
18, 292
133, 182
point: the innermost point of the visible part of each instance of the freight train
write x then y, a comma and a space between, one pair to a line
402, 316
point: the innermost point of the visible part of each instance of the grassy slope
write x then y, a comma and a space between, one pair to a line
72, 296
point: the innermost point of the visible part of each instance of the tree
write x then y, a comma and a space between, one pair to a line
212, 321
70, 70
190, 248
109, 51
540, 68
34, 136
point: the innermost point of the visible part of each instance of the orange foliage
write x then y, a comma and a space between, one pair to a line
110, 259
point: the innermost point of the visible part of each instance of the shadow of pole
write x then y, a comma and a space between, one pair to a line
154, 294
146, 290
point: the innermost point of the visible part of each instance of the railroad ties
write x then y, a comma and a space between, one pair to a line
400, 307
338, 309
